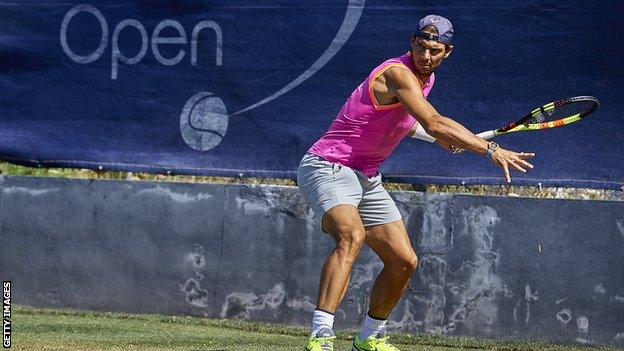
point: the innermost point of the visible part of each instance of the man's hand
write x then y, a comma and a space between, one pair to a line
507, 158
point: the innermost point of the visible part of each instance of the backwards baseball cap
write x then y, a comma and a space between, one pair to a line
443, 25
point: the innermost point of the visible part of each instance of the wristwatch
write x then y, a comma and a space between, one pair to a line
492, 146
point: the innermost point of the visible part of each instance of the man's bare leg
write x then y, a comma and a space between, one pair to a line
391, 243
344, 224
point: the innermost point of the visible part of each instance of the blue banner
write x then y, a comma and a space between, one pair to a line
243, 88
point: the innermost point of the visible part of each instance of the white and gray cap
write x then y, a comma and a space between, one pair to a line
442, 24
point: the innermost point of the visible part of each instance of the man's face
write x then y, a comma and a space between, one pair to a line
427, 55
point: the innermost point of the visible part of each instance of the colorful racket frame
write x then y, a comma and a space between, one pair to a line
528, 122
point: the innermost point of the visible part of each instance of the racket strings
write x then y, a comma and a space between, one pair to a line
562, 111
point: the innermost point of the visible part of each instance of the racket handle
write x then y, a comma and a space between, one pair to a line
483, 135
486, 135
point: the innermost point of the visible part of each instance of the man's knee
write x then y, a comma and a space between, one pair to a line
412, 263
349, 241
343, 223
405, 265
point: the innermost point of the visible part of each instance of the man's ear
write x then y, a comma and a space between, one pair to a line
449, 49
413, 40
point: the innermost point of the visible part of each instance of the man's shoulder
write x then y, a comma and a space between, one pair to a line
399, 75
390, 62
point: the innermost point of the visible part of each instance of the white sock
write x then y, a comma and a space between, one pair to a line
322, 319
371, 326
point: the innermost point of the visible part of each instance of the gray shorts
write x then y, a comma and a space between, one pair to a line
325, 184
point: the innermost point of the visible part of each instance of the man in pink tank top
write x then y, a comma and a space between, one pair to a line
338, 177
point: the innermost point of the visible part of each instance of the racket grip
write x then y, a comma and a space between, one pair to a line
486, 135
483, 135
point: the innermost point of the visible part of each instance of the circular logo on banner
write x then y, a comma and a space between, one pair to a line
204, 121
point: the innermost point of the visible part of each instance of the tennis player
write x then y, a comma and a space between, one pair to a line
338, 178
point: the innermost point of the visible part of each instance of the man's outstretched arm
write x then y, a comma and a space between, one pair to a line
448, 131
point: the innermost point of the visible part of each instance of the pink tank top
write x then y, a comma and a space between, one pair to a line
365, 133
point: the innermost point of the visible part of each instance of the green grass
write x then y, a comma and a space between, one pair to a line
40, 329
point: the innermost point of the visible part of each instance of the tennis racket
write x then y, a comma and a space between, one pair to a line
554, 114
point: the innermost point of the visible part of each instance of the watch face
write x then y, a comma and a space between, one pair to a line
493, 146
